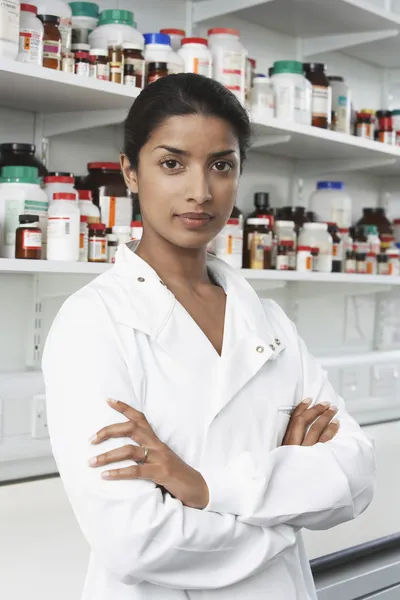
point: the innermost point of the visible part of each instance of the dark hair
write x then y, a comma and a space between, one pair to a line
183, 94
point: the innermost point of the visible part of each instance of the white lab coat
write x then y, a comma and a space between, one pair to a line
125, 336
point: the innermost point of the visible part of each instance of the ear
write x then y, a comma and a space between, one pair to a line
130, 175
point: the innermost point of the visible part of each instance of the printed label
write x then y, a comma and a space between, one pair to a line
97, 249
13, 208
100, 71
201, 67
365, 130
394, 266
82, 69
282, 262
321, 101
52, 49
58, 226
130, 80
361, 266
116, 211
259, 244
9, 20
111, 252
140, 70
30, 46
68, 65
350, 266
337, 251
342, 115
83, 242
65, 28
323, 263
31, 240
229, 244
232, 73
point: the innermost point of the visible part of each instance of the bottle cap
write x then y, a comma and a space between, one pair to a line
157, 38
330, 185
64, 196
11, 174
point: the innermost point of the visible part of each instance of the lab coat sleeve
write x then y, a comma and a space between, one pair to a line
315, 487
133, 530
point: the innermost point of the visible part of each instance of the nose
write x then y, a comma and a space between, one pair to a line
199, 186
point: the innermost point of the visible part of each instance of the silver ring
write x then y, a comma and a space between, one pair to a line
146, 454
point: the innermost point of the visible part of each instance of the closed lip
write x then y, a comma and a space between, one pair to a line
195, 215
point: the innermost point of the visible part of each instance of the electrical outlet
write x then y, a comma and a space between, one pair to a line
39, 418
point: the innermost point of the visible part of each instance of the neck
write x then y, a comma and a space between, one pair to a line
176, 266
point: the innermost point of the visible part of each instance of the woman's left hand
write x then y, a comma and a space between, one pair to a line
162, 465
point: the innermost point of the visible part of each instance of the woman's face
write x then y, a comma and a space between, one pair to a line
187, 179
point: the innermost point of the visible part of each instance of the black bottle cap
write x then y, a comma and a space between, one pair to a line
50, 19
24, 219
13, 147
261, 199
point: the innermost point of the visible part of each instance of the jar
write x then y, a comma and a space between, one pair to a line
371, 263
28, 238
84, 239
82, 64
85, 16
321, 94
316, 235
297, 214
396, 227
31, 32
373, 240
133, 55
386, 137
68, 62
87, 208
385, 122
228, 60
377, 216
112, 245
63, 228
262, 105
337, 248
99, 64
57, 182
196, 56
285, 231
257, 244
364, 126
114, 28
176, 36
63, 11
288, 82
156, 70
136, 230
382, 264
341, 104
229, 243
97, 243
304, 259
262, 207
123, 233
284, 253
51, 42
9, 28
393, 262
109, 191
129, 75
361, 263
21, 155
115, 58
350, 265
158, 49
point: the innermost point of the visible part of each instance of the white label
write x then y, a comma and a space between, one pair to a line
229, 244
116, 211
321, 101
58, 227
82, 69
68, 65
342, 115
65, 28
323, 263
97, 249
31, 240
30, 46
13, 209
100, 71
136, 233
111, 252
130, 80
282, 262
201, 66
289, 102
231, 74
9, 20
140, 69
83, 242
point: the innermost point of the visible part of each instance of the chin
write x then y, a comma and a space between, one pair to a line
190, 241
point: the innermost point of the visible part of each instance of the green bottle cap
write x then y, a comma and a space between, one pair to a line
85, 9
288, 66
12, 174
121, 17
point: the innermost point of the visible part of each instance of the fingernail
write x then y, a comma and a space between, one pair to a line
325, 403
333, 409
105, 474
336, 421
110, 401
93, 462
306, 401
93, 438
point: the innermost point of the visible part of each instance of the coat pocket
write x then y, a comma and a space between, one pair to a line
282, 422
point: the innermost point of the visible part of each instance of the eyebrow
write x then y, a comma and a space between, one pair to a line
181, 152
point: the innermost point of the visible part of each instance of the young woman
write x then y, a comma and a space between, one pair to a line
190, 390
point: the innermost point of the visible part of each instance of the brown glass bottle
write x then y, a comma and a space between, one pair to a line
262, 207
28, 238
51, 42
321, 94
297, 214
156, 70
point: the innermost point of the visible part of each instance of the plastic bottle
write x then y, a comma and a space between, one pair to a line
87, 208
196, 56
341, 104
229, 242
229, 59
316, 235
289, 86
158, 49
176, 37
9, 29
63, 10
30, 36
136, 230
20, 193
57, 182
85, 16
262, 105
63, 228
332, 203
114, 28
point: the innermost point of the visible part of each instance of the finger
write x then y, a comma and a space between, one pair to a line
300, 421
129, 452
318, 427
130, 413
300, 408
118, 430
147, 472
330, 431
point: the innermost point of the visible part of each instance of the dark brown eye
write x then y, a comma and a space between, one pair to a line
222, 166
170, 164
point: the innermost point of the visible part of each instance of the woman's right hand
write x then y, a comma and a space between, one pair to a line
309, 426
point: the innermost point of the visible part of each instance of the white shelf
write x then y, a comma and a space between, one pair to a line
357, 27
8, 265
375, 357
323, 151
37, 89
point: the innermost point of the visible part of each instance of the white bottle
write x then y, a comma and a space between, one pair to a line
289, 85
196, 56
20, 193
59, 182
229, 243
63, 10
158, 49
63, 228
316, 235
9, 28
341, 104
307, 107
332, 203
123, 233
136, 230
87, 208
176, 37
262, 99
229, 60
30, 36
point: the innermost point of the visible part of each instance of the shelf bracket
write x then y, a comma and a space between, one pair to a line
59, 123
209, 9
269, 140
338, 165
329, 43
